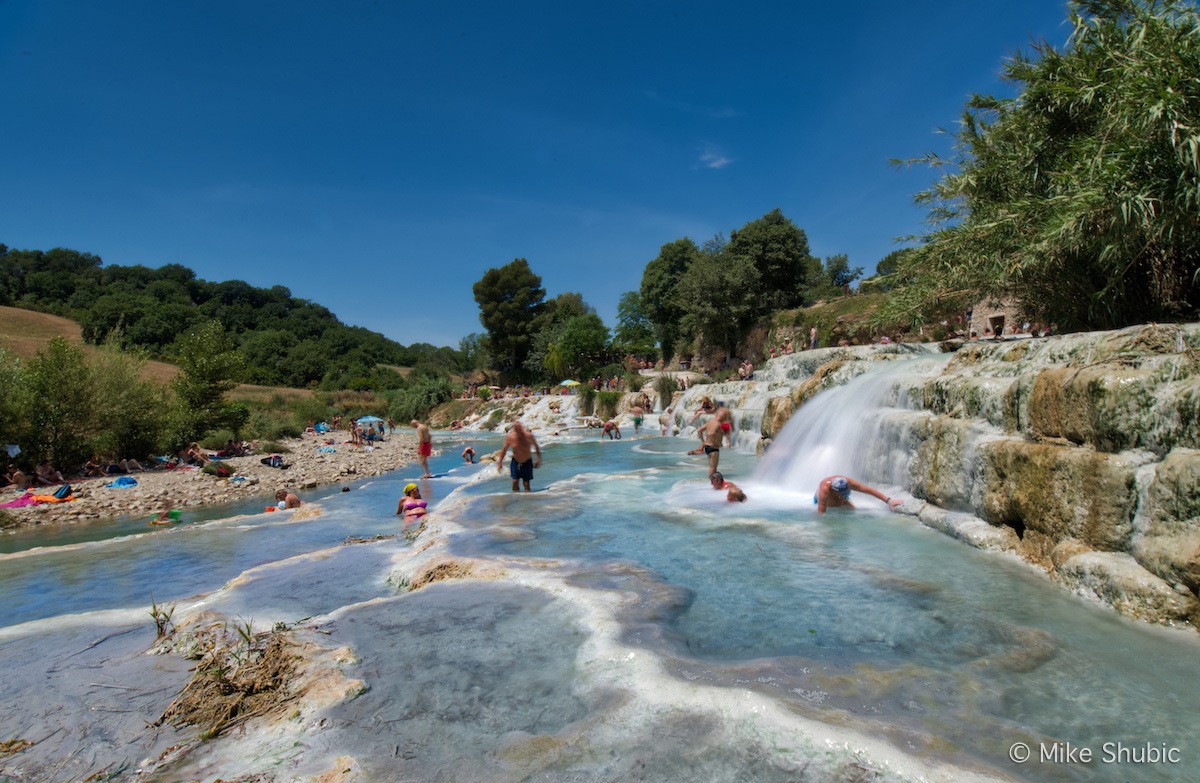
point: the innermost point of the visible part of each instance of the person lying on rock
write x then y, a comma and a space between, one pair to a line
834, 492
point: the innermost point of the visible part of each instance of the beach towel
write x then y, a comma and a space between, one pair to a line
123, 481
326, 450
21, 502
48, 499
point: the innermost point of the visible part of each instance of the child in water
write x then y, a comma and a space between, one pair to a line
168, 516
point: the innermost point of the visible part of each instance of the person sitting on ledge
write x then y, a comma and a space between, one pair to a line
834, 492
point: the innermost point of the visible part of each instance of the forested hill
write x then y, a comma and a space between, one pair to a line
285, 340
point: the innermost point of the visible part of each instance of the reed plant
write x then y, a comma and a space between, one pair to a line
587, 400
606, 404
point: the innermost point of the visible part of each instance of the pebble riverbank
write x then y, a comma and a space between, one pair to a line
159, 490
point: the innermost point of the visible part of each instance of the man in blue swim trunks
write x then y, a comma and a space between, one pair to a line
521, 466
834, 492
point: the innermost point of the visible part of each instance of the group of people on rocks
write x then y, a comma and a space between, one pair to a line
45, 475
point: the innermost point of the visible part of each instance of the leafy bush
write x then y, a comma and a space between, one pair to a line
587, 400
284, 430
234, 416
606, 404
216, 440
634, 381
721, 376
416, 401
273, 447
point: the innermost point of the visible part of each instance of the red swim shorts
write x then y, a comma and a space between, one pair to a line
426, 448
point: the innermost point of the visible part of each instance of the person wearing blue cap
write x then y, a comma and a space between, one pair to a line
834, 492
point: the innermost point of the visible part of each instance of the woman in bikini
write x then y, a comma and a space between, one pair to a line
411, 506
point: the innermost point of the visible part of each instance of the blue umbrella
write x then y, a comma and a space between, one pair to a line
370, 420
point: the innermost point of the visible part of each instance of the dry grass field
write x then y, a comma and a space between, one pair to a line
25, 332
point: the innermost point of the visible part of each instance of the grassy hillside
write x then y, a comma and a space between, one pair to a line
25, 332
853, 319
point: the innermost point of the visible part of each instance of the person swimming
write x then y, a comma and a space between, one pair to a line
167, 516
834, 492
734, 493
412, 507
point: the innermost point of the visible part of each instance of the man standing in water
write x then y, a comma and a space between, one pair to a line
834, 492
710, 438
424, 447
638, 412
521, 466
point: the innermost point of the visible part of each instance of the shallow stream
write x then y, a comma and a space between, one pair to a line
647, 629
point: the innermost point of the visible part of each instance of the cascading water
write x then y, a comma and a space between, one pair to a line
839, 431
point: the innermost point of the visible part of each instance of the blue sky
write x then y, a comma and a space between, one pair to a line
379, 157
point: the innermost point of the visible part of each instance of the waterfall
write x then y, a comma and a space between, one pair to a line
853, 430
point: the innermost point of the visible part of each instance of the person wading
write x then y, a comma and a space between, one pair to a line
521, 466
424, 447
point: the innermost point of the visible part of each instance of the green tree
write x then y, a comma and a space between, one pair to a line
1080, 196
884, 278
128, 410
581, 347
511, 302
724, 294
634, 332
566, 306
474, 350
559, 311
419, 398
659, 291
836, 275
13, 402
59, 390
779, 252
209, 366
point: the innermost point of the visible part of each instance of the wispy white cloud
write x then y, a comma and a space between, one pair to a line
712, 158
